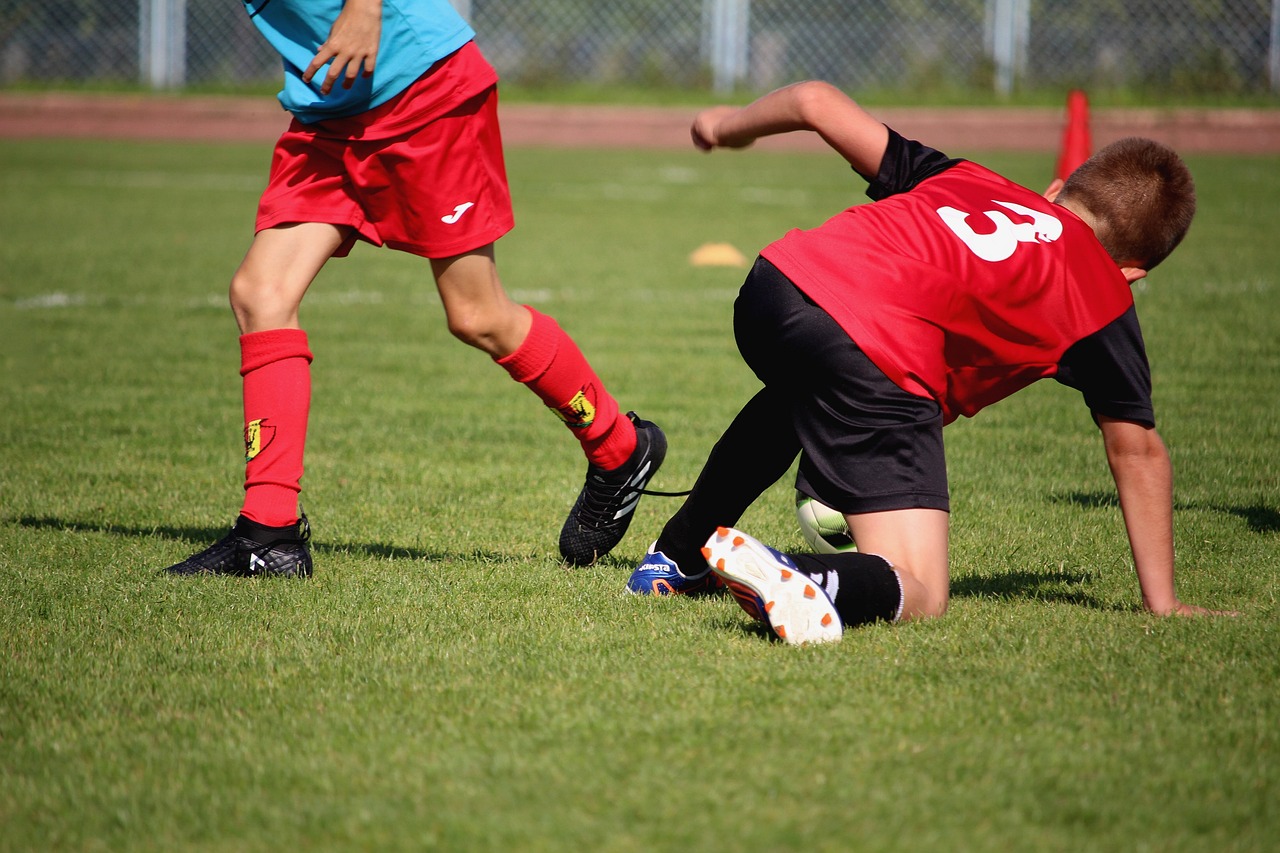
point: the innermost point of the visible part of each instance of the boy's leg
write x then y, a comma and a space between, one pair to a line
266, 292
269, 536
915, 542
623, 452
807, 598
535, 351
754, 452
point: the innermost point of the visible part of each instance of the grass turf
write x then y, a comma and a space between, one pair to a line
443, 683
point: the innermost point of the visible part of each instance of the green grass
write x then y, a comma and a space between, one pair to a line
443, 683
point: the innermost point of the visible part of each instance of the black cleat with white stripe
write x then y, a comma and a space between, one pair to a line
607, 502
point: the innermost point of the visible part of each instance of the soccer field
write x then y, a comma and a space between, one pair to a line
443, 682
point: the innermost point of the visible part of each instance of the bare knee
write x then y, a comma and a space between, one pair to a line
497, 328
241, 295
922, 598
925, 610
472, 325
263, 304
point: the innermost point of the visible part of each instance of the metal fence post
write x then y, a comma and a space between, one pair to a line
462, 7
726, 25
162, 43
1009, 23
1274, 49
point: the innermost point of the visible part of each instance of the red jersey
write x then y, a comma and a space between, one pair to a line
965, 287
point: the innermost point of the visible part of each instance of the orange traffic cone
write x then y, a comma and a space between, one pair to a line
1076, 145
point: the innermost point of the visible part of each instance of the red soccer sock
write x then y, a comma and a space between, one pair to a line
550, 364
276, 366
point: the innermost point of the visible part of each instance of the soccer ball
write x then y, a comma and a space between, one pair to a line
822, 527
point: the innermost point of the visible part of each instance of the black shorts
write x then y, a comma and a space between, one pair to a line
867, 445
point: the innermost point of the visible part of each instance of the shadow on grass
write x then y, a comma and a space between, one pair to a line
730, 621
1056, 586
202, 536
1258, 517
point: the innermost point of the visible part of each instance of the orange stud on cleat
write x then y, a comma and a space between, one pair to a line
737, 541
809, 593
786, 575
781, 631
768, 607
722, 532
720, 564
706, 553
826, 619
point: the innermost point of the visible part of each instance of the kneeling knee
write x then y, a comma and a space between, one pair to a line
925, 610
921, 600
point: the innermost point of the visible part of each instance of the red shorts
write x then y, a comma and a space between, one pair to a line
438, 190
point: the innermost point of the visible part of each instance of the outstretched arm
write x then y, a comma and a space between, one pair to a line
811, 105
1144, 479
352, 45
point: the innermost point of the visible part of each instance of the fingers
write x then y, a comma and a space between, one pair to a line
345, 66
350, 50
1182, 609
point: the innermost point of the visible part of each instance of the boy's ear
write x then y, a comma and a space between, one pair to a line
1051, 194
1132, 274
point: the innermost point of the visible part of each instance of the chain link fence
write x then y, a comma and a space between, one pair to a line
1160, 48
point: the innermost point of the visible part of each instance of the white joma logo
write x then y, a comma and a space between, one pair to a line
457, 212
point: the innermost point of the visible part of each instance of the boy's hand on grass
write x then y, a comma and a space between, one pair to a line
1183, 609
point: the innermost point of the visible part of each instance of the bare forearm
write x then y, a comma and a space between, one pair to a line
811, 105
780, 111
1145, 485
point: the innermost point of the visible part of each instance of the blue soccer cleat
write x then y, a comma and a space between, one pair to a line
657, 574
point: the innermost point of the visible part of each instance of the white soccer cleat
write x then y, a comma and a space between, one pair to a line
769, 587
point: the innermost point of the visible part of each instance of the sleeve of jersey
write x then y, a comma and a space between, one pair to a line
906, 163
1110, 368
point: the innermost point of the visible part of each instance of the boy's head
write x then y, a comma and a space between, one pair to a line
1139, 197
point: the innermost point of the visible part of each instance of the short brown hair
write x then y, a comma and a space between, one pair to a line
1141, 197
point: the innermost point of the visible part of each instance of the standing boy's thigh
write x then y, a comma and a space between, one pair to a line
440, 190
868, 445
276, 272
308, 183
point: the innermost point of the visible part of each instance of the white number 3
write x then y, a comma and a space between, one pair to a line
1001, 243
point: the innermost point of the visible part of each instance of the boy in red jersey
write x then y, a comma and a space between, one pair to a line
395, 141
955, 289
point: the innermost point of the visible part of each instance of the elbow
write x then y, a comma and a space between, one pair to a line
1130, 439
816, 98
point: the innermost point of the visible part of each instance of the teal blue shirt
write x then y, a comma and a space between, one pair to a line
415, 35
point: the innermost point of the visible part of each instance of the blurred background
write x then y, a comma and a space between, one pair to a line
1202, 52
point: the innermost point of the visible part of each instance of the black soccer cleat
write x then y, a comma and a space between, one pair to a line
254, 550
607, 502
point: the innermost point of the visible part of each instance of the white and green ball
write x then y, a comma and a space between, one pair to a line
822, 527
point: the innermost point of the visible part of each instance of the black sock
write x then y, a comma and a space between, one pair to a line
863, 587
753, 453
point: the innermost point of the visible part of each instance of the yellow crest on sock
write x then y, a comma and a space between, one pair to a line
257, 436
579, 412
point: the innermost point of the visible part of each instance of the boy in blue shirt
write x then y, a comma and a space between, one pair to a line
395, 141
